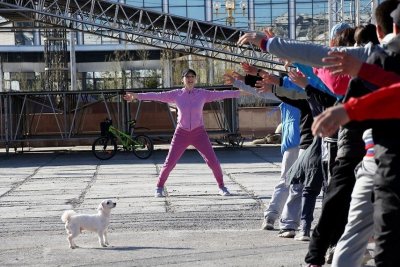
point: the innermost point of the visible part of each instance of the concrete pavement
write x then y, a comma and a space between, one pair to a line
192, 226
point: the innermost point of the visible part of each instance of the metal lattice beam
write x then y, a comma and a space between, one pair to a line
120, 21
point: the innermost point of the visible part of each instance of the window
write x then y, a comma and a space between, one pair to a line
192, 9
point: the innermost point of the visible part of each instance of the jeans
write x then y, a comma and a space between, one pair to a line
308, 205
281, 190
290, 218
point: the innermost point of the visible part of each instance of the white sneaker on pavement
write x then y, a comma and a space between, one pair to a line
159, 192
223, 191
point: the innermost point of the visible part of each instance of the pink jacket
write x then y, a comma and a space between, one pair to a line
189, 103
336, 83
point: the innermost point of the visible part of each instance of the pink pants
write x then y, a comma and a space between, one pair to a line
180, 141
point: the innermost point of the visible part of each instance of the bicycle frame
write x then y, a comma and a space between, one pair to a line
106, 145
125, 139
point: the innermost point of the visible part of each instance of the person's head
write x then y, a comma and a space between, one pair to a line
384, 22
344, 38
396, 19
336, 30
365, 34
189, 78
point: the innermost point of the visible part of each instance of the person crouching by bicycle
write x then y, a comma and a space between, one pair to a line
190, 129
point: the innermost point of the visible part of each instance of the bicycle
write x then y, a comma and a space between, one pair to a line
105, 147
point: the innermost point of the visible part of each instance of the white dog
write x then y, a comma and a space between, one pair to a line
76, 223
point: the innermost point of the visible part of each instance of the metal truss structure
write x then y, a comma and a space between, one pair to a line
56, 59
349, 11
132, 24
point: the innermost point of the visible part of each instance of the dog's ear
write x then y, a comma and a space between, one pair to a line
101, 206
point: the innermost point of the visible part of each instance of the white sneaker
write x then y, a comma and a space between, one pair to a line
223, 191
268, 224
302, 235
159, 192
287, 233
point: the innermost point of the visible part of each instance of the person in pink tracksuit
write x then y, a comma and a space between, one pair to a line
190, 128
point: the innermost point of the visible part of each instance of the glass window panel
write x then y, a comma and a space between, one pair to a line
153, 3
23, 37
177, 3
196, 13
311, 21
180, 11
91, 39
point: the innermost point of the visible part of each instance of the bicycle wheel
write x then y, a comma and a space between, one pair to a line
104, 148
142, 146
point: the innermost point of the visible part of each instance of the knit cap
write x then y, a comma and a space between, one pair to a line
338, 28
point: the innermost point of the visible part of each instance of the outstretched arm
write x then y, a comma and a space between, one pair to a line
385, 100
344, 63
166, 97
298, 51
247, 89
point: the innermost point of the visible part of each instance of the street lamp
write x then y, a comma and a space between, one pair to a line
229, 10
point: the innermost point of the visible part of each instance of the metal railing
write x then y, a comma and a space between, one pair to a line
74, 117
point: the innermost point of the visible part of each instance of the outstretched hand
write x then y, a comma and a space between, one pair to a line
229, 78
249, 69
263, 87
130, 97
270, 78
342, 63
329, 121
269, 33
252, 38
298, 78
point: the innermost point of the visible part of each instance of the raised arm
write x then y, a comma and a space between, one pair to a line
301, 52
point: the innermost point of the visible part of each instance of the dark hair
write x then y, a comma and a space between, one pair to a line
382, 15
344, 38
365, 34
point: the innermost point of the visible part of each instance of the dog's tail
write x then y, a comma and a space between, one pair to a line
67, 215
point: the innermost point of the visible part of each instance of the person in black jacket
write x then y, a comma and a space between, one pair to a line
386, 135
350, 151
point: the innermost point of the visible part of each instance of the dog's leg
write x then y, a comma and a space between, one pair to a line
73, 232
101, 239
106, 238
71, 241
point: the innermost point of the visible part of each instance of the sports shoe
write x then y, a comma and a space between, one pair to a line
287, 233
223, 191
329, 255
159, 192
303, 235
268, 224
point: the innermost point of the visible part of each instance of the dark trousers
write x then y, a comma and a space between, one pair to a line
309, 199
335, 208
387, 202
